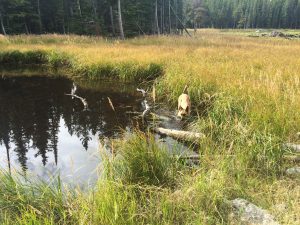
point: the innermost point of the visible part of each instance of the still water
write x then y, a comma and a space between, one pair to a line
45, 132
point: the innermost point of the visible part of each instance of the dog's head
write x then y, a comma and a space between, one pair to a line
183, 112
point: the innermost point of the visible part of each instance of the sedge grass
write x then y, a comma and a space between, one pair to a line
245, 94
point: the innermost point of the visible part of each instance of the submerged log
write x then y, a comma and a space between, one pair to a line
180, 134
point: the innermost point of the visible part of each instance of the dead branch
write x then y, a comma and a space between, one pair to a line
147, 108
144, 93
179, 134
83, 100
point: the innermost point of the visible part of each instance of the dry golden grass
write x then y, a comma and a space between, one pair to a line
256, 82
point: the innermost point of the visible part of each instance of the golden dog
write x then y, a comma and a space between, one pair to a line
184, 104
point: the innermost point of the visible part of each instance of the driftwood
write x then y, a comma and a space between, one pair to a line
144, 103
147, 108
83, 100
179, 134
294, 147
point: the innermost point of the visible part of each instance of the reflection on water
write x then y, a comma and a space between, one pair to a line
42, 130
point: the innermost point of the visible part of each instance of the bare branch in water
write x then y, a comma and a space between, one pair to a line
83, 100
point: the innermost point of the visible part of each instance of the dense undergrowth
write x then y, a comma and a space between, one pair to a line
245, 95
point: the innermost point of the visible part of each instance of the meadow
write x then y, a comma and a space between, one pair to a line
246, 99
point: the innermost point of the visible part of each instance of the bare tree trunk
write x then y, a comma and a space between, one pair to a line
170, 26
2, 25
39, 14
120, 21
97, 26
79, 7
26, 28
8, 157
176, 10
181, 22
156, 18
63, 18
112, 20
162, 17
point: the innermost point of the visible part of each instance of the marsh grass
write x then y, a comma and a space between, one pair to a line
142, 184
245, 95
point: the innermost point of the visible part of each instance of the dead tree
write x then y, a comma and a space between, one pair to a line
2, 25
156, 18
39, 14
170, 25
120, 21
180, 22
112, 20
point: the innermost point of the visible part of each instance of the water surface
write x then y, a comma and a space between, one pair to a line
43, 131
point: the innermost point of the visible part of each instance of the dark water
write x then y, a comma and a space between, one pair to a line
45, 132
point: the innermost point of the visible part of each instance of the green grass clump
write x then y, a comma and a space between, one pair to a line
24, 202
144, 162
18, 58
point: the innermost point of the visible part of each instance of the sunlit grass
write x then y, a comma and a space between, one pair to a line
246, 99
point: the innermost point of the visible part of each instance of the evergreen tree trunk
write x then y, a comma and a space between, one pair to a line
39, 14
2, 25
170, 26
120, 21
26, 28
97, 26
156, 18
163, 17
176, 11
79, 8
112, 20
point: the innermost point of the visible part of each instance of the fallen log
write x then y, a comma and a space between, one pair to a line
83, 100
180, 134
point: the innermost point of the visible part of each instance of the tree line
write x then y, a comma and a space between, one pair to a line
91, 17
243, 13
121, 18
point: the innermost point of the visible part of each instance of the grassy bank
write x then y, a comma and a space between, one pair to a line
144, 184
246, 99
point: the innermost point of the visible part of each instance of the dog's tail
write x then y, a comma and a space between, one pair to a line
185, 89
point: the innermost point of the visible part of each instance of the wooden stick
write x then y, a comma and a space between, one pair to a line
179, 134
83, 100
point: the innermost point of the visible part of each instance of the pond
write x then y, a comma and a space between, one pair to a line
45, 132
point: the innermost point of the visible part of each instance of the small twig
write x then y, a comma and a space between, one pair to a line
111, 104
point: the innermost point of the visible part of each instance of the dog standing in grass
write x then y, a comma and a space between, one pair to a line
184, 104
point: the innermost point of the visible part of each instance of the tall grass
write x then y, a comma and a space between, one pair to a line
245, 96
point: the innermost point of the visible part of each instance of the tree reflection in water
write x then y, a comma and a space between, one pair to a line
32, 110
